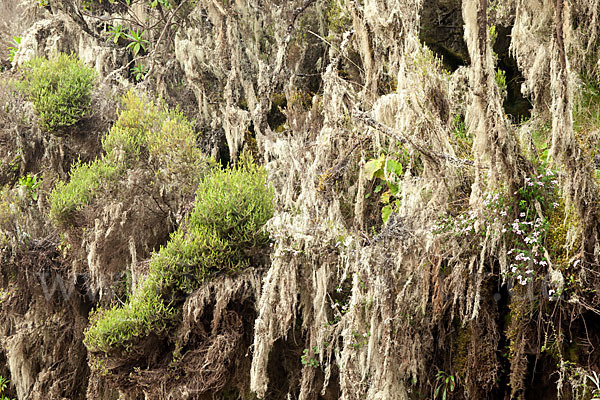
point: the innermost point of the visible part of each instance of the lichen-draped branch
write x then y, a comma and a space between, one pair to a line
414, 142
580, 185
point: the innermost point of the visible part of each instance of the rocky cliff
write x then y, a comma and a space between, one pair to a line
307, 199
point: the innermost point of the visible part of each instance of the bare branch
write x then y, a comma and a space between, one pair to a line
413, 142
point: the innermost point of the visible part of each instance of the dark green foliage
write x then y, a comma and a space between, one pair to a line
3, 385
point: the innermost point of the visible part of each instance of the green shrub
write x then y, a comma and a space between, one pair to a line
119, 327
235, 203
60, 89
129, 135
145, 135
66, 198
150, 132
225, 226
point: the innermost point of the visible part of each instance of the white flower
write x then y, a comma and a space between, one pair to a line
576, 262
503, 213
522, 215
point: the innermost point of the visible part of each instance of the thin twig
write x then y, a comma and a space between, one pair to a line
162, 34
413, 142
337, 48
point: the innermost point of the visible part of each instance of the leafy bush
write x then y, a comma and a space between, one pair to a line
119, 327
66, 198
235, 203
145, 135
230, 210
30, 183
3, 385
60, 89
150, 132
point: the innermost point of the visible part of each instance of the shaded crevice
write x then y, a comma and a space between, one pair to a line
276, 116
502, 299
515, 104
442, 31
542, 383
284, 368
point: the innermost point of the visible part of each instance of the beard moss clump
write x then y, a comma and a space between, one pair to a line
222, 234
60, 88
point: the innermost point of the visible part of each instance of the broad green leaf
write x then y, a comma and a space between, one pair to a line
394, 189
386, 212
374, 167
394, 166
385, 197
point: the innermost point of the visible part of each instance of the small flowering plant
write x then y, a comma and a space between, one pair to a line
529, 228
528, 248
517, 219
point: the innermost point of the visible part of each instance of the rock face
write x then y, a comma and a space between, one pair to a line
436, 229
